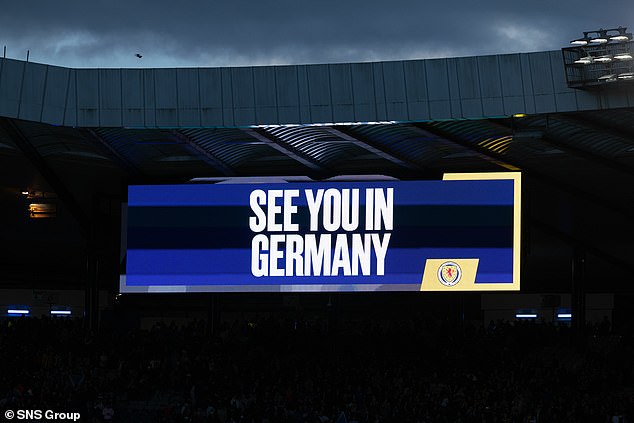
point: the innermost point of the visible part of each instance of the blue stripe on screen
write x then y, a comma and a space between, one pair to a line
238, 280
491, 192
493, 263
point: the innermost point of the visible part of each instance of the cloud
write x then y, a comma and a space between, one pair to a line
247, 32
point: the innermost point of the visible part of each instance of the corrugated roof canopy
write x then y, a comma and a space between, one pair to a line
555, 145
577, 167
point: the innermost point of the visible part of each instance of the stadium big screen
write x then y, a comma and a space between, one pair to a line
461, 233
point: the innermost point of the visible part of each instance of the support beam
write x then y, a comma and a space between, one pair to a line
578, 292
209, 158
556, 141
599, 125
562, 186
91, 292
121, 161
41, 165
345, 135
502, 163
284, 148
575, 242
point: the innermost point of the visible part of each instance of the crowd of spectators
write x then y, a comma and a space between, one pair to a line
292, 370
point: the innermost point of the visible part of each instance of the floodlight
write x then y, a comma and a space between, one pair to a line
603, 59
623, 56
19, 311
580, 42
61, 312
599, 40
600, 37
607, 52
622, 36
526, 316
42, 210
584, 60
608, 78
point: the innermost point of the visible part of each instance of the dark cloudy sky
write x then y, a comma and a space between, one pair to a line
107, 33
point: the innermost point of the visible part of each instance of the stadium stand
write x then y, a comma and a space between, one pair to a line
73, 140
421, 370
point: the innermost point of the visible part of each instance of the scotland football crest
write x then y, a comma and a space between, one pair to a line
449, 273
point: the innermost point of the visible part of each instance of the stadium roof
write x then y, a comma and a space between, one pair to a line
82, 135
401, 91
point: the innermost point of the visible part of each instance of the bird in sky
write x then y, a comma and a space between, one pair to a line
138, 55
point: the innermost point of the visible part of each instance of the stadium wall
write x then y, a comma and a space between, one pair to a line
410, 90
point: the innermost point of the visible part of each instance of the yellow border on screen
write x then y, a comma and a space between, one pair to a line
517, 227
